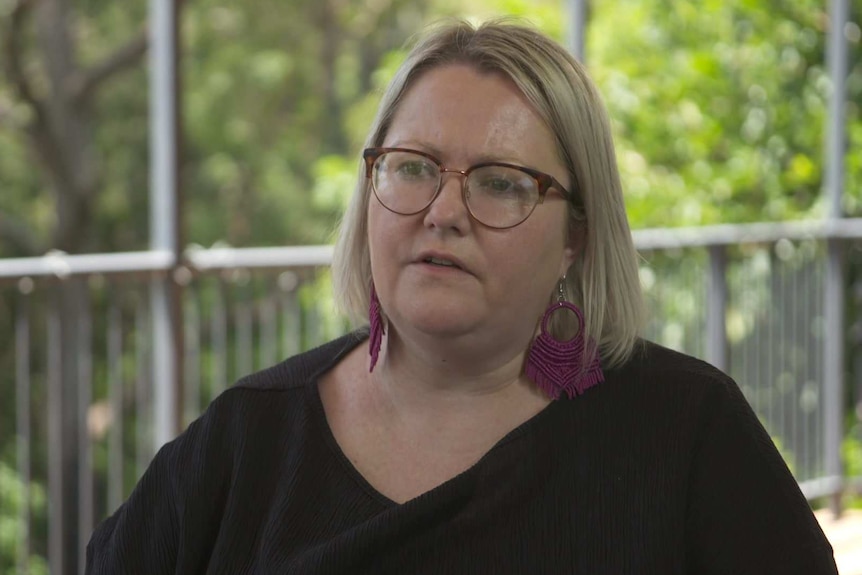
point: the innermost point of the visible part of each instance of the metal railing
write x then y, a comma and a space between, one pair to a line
751, 299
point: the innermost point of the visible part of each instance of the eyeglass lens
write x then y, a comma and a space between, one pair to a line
497, 196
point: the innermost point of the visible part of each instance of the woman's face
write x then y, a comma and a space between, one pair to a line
503, 279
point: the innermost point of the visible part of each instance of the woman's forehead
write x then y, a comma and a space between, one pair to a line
456, 109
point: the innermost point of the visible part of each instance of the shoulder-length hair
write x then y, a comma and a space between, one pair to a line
604, 280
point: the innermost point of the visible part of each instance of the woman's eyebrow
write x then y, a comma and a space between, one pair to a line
484, 158
418, 146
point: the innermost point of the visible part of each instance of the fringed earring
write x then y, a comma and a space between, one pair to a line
376, 330
558, 366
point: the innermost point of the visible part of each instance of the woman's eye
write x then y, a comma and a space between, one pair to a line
499, 185
414, 169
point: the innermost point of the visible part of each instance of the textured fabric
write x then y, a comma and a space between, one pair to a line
663, 469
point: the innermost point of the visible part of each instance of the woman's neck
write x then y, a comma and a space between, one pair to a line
452, 379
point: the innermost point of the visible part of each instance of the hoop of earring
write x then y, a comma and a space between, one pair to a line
559, 366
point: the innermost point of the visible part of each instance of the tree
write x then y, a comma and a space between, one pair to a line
717, 107
59, 94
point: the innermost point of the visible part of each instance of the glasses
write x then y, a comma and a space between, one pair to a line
496, 194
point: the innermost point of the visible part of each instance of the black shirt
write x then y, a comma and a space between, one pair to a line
663, 468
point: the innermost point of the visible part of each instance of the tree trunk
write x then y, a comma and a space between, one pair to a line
67, 141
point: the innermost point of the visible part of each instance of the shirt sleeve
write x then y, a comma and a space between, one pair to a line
746, 513
164, 525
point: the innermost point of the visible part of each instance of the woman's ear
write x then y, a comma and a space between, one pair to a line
575, 247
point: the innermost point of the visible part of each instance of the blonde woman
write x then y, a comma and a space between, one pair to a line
500, 413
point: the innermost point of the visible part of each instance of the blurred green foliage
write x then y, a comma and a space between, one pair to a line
718, 109
12, 500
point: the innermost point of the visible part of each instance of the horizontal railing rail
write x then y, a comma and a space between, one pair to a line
243, 308
60, 264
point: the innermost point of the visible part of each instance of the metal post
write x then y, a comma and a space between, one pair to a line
54, 413
86, 484
165, 216
716, 329
22, 420
577, 12
833, 341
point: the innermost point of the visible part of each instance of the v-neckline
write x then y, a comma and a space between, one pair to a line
321, 421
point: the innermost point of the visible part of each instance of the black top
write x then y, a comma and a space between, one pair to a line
663, 468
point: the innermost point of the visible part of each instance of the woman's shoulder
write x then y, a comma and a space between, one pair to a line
298, 370
652, 364
269, 399
663, 384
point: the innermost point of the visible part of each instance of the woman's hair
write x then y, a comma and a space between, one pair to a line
604, 278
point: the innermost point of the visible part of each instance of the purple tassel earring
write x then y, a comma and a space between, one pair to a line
557, 366
376, 329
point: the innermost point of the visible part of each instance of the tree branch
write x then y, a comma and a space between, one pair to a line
86, 82
13, 57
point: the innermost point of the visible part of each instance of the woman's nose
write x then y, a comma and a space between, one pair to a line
449, 210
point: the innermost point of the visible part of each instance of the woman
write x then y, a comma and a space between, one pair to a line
502, 415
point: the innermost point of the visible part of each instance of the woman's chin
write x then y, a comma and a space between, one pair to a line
441, 323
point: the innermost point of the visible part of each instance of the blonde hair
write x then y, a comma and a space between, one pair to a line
604, 279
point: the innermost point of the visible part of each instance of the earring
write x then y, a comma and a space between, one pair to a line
558, 366
376, 330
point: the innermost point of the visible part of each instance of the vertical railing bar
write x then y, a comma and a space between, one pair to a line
771, 347
312, 325
834, 152
690, 344
755, 344
833, 366
290, 324
701, 303
793, 426
165, 215
268, 318
85, 393
287, 282
690, 341
244, 331
115, 395
218, 353
815, 372
812, 373
716, 328
747, 344
658, 299
759, 353
191, 332
779, 367
814, 423
55, 432
577, 12
738, 355
22, 418
856, 344
734, 354
817, 337
143, 453
814, 429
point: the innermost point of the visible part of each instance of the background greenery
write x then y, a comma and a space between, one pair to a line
718, 109
717, 105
